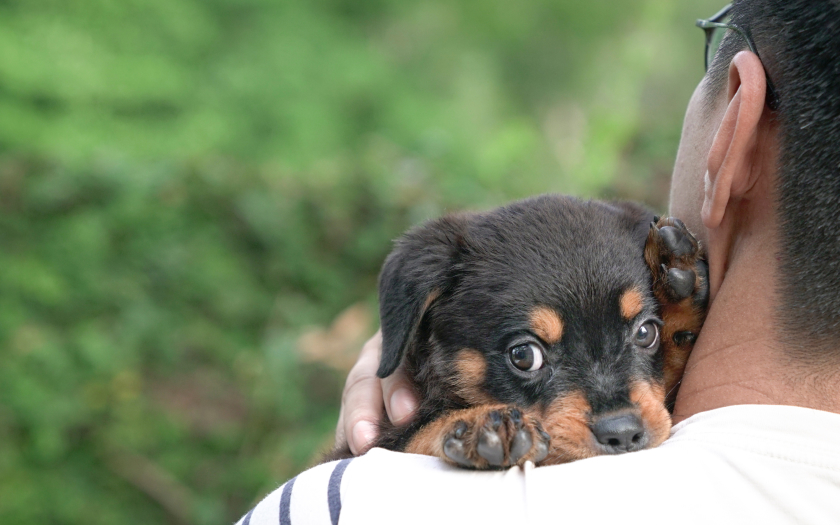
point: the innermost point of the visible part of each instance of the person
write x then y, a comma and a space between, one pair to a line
757, 434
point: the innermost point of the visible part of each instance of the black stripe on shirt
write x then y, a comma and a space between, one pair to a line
285, 503
247, 519
334, 490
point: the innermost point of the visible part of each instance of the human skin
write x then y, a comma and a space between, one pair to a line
723, 188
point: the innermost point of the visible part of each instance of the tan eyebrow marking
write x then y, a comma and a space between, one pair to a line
547, 324
631, 303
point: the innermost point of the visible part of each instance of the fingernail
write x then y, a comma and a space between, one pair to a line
403, 405
363, 435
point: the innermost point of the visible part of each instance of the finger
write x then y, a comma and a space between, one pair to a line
361, 403
399, 396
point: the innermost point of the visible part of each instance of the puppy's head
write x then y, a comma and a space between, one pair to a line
544, 304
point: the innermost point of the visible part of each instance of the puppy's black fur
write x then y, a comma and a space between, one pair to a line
548, 330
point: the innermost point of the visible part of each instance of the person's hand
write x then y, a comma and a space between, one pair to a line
363, 398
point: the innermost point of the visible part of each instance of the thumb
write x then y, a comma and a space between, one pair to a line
400, 398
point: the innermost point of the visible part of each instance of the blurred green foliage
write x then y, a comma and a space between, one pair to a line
188, 186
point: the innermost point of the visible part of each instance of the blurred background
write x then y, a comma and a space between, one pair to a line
196, 197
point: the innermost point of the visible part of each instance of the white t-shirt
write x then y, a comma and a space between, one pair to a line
747, 464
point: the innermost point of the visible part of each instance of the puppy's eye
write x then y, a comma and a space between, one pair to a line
527, 357
647, 335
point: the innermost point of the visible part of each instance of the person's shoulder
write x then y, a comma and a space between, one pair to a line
730, 458
386, 487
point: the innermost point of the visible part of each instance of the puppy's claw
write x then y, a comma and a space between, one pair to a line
541, 451
520, 446
454, 450
460, 429
490, 447
541, 448
495, 419
681, 282
516, 418
678, 243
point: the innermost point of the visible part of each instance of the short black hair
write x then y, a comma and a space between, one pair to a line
799, 44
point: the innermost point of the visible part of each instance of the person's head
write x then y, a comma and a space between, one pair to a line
739, 147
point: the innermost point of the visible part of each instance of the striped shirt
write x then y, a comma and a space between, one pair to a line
310, 504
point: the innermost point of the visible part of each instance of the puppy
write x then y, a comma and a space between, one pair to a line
548, 330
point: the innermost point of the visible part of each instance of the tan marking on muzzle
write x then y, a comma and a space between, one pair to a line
650, 398
566, 420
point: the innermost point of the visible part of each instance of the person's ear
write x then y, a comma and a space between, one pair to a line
730, 163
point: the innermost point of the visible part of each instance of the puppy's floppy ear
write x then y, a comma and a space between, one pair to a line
414, 275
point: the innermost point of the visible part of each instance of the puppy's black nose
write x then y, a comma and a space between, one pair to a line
620, 432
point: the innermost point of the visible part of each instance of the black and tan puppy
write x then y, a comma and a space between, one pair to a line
548, 330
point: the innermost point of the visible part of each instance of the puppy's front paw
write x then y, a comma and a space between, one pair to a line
681, 285
488, 438
677, 262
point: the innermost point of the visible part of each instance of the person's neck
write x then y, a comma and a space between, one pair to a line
738, 358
